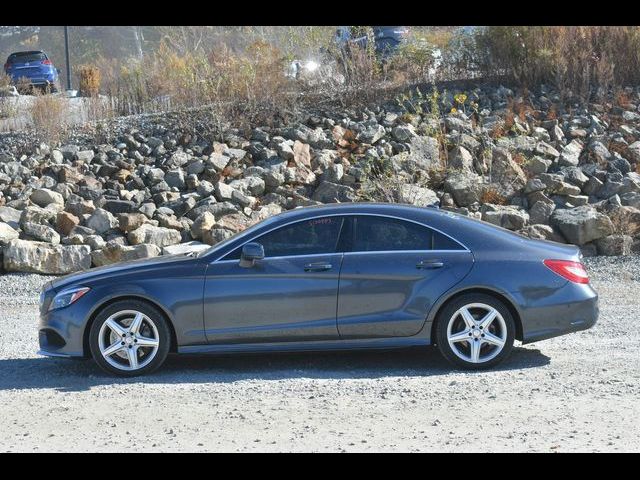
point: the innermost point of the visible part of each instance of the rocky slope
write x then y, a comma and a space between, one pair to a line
567, 174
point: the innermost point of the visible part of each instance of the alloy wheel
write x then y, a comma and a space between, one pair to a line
128, 340
477, 333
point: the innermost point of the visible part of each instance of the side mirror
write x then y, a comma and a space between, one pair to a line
250, 253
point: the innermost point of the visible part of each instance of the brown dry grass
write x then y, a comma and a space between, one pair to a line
89, 79
48, 114
491, 195
575, 59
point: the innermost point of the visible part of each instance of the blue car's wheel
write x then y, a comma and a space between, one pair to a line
475, 331
129, 338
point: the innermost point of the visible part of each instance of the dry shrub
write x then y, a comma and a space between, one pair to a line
621, 99
23, 85
5, 80
48, 114
577, 60
360, 67
88, 80
8, 106
414, 61
240, 85
491, 195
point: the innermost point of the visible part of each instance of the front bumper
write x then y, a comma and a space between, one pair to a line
61, 331
572, 308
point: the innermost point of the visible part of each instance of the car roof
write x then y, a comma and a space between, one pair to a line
26, 52
471, 232
430, 216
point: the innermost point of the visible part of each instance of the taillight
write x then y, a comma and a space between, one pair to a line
46, 62
7, 66
572, 271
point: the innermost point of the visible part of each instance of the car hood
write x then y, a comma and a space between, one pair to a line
87, 276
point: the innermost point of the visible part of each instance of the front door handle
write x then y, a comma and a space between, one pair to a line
317, 267
429, 264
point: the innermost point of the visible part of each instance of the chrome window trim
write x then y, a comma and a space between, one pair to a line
465, 249
387, 252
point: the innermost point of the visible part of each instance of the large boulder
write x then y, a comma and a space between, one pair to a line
555, 184
65, 222
581, 225
465, 188
461, 159
44, 233
570, 155
10, 216
614, 245
7, 233
541, 232
328, 192
42, 216
301, 154
541, 211
40, 257
101, 221
204, 222
128, 222
506, 172
43, 197
416, 195
159, 236
371, 133
633, 151
506, 216
114, 252
216, 235
424, 152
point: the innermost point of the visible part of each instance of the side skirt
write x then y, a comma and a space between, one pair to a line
312, 346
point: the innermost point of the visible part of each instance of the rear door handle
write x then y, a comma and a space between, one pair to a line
429, 264
317, 267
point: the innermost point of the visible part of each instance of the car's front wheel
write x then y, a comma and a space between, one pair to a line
129, 338
475, 331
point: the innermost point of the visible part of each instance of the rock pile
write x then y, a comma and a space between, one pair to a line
157, 189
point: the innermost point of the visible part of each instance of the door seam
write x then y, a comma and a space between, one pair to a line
338, 294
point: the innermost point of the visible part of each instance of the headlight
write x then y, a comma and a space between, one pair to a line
67, 297
311, 66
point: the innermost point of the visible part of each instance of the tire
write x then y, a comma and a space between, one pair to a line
124, 352
456, 338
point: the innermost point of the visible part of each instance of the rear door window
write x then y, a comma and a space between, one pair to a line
380, 234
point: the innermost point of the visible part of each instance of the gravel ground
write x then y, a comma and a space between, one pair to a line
579, 392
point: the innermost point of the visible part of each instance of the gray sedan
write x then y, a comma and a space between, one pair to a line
346, 276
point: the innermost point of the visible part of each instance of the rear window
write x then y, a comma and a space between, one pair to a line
26, 57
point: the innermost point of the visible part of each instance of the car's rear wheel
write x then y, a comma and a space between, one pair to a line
475, 331
130, 338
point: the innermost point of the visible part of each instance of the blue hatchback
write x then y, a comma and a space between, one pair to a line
34, 68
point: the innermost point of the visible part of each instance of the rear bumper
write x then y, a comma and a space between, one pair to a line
572, 308
37, 80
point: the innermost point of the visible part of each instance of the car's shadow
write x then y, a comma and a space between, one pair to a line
74, 375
